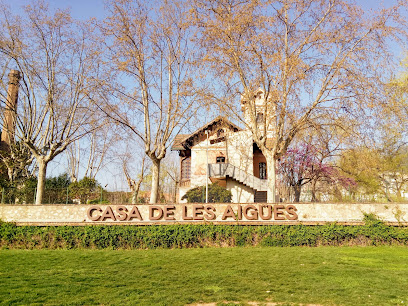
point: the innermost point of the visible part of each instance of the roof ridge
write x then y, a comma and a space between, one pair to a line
204, 127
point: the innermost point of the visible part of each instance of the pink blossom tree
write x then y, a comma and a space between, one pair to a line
302, 165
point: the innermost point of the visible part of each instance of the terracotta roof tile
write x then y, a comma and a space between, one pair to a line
177, 142
180, 141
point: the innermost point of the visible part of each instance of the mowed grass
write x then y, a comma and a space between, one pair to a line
321, 275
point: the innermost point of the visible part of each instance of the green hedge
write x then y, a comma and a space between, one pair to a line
200, 235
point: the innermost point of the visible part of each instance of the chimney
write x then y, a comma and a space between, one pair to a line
10, 110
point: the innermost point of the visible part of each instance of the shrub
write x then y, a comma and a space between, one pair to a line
87, 189
372, 220
196, 235
216, 194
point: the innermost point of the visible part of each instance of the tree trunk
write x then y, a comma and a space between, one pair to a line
314, 197
387, 196
270, 170
398, 189
10, 173
135, 193
42, 171
133, 199
154, 194
298, 190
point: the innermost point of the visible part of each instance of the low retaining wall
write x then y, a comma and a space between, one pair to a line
250, 214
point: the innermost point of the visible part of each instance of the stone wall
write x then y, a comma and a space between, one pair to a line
312, 213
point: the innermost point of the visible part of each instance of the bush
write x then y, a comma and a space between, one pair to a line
196, 235
87, 190
216, 194
372, 220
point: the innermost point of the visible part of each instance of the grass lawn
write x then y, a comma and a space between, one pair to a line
321, 275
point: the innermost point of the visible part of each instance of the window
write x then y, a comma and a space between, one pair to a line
220, 159
262, 171
220, 133
186, 168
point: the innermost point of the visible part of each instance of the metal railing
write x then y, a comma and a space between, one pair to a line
224, 170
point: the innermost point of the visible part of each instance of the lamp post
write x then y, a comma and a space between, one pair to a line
206, 177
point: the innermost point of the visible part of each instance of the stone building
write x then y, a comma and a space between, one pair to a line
234, 160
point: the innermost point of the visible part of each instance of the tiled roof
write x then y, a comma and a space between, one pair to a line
177, 142
182, 142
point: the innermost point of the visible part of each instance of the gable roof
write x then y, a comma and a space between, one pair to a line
177, 142
185, 141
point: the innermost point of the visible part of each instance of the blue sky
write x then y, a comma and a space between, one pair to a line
84, 9
81, 9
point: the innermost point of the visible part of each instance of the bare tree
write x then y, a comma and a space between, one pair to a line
97, 153
73, 161
18, 161
134, 184
153, 76
92, 153
56, 60
311, 59
171, 179
15, 156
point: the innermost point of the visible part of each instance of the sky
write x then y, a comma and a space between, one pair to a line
80, 9
86, 9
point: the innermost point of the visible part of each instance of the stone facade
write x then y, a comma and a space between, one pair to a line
311, 213
225, 145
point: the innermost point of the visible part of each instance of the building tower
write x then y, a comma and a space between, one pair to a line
259, 112
10, 109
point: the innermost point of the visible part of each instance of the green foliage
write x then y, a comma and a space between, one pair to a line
381, 172
372, 220
198, 235
87, 190
61, 181
362, 165
56, 189
3, 176
21, 194
216, 194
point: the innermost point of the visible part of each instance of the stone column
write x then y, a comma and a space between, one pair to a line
10, 110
